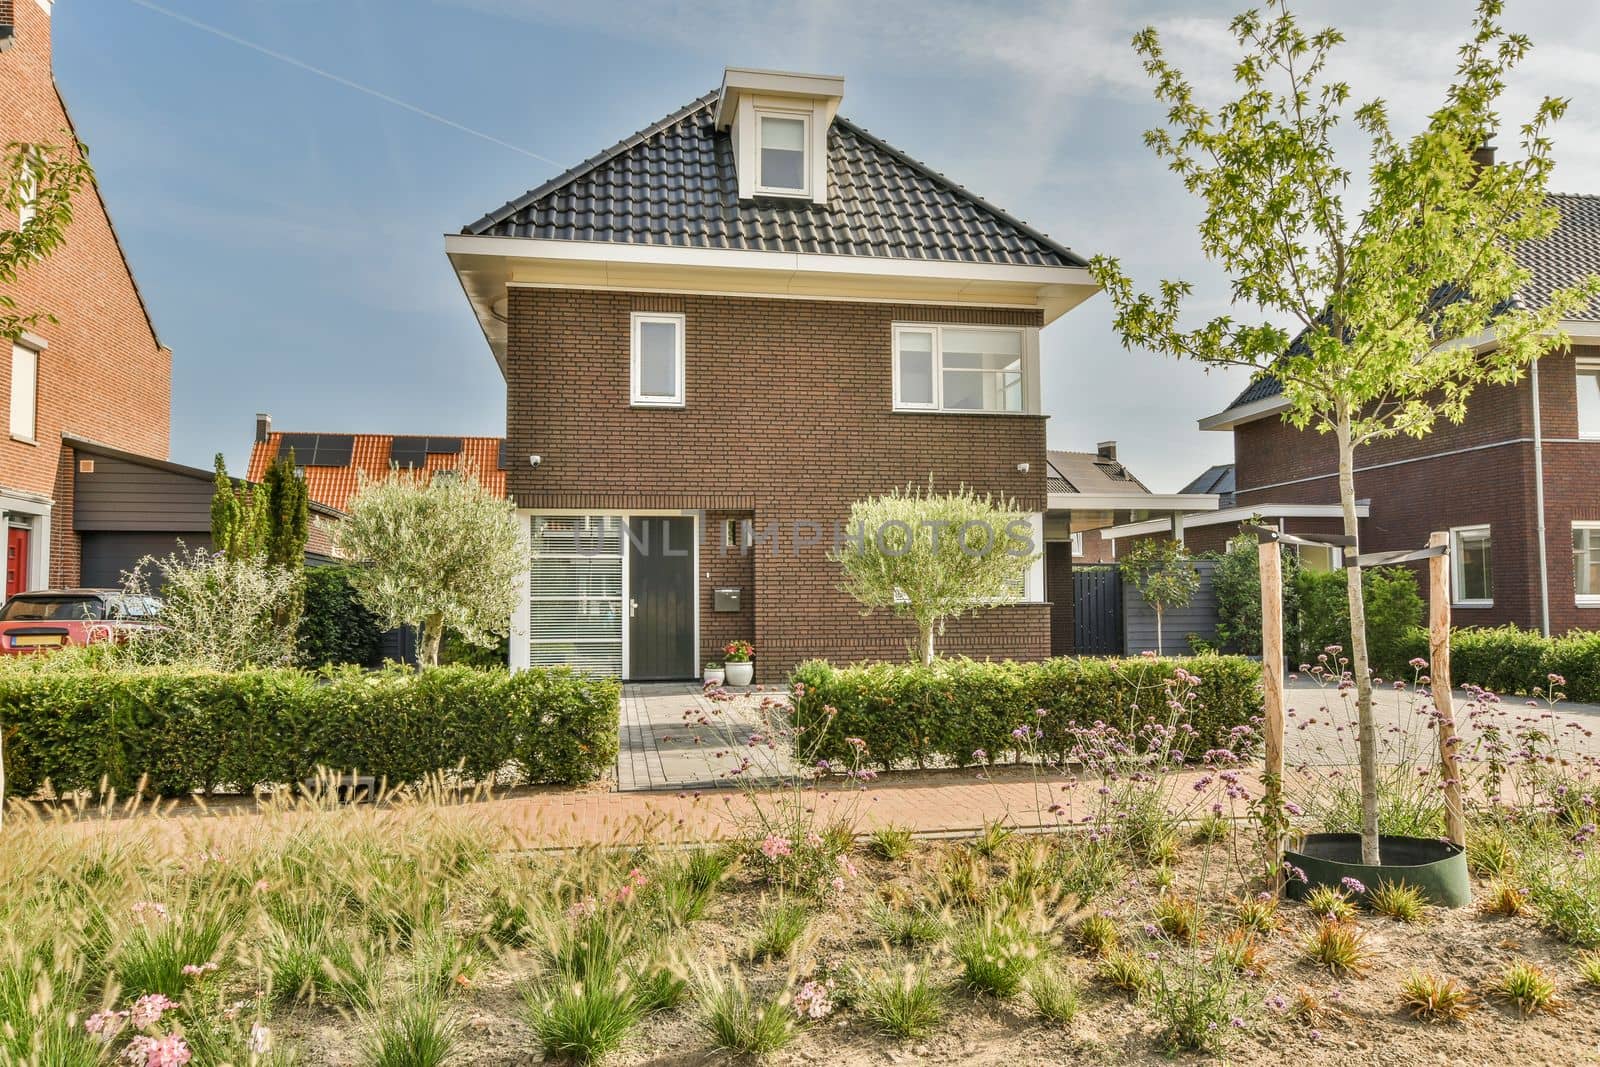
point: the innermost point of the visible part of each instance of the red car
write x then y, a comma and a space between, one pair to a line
53, 618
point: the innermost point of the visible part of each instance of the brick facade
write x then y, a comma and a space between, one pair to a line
788, 418
1478, 472
103, 374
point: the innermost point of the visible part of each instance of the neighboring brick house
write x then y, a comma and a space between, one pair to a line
98, 372
334, 463
733, 324
1523, 461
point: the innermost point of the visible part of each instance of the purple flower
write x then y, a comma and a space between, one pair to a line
1353, 885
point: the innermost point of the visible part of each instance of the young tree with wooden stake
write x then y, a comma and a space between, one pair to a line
1164, 575
1402, 304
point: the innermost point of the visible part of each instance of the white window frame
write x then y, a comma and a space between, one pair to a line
804, 117
1456, 575
638, 398
1586, 365
1585, 600
27, 208
1077, 545
30, 433
1030, 367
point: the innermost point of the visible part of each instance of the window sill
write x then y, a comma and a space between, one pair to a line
1472, 604
21, 440
1588, 601
658, 405
967, 411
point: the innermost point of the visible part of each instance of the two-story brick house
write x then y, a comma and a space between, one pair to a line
98, 372
1515, 483
725, 329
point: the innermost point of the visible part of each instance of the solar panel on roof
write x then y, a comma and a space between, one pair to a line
444, 446
501, 461
304, 445
318, 449
408, 452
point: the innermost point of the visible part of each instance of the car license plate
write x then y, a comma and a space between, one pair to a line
37, 640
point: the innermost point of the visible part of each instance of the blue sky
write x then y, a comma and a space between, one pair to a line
287, 231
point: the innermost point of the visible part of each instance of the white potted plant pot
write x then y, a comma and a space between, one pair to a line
740, 672
713, 674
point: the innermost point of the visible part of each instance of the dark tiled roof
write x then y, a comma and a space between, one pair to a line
1218, 480
673, 183
1571, 252
1089, 472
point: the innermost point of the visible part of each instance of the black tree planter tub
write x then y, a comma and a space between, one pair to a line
1437, 868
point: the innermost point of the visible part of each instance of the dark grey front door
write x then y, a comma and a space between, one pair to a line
661, 598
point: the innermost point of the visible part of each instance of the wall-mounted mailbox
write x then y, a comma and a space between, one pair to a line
725, 600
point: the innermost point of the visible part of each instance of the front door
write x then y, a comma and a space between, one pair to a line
661, 607
16, 561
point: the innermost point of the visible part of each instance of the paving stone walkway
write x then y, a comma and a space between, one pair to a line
675, 738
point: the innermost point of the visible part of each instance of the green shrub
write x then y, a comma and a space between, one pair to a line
908, 713
1394, 609
1237, 585
1508, 660
334, 626
189, 730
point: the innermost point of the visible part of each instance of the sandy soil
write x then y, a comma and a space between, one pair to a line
1364, 1022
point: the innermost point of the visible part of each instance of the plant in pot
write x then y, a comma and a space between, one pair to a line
714, 674
736, 662
1381, 291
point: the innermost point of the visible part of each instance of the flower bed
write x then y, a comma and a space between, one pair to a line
959, 708
195, 730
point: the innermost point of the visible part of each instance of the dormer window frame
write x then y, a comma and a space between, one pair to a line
802, 114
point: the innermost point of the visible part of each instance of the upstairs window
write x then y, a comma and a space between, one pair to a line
24, 392
960, 368
781, 152
1472, 578
1589, 397
1586, 562
657, 360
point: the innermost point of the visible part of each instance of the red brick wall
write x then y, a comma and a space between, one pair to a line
1489, 478
103, 374
788, 418
1058, 590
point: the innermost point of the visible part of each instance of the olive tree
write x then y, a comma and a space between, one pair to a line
1377, 305
434, 553
1164, 575
934, 556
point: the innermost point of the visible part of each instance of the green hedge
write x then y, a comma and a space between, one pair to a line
908, 713
1508, 660
1393, 604
191, 730
335, 627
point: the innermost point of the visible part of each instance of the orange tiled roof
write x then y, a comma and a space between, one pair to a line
334, 486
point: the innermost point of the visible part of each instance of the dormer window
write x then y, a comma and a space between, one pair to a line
782, 153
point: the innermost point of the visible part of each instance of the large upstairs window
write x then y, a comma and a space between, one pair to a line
1589, 397
961, 368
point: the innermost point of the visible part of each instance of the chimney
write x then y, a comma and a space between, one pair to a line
263, 426
1107, 450
1483, 155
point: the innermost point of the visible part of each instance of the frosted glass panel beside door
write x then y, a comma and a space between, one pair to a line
575, 593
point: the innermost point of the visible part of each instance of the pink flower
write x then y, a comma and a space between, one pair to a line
197, 970
837, 883
148, 1009
775, 847
168, 1051
813, 1001
260, 1039
583, 909
104, 1022
150, 907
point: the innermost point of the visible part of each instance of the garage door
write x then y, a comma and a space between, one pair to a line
106, 555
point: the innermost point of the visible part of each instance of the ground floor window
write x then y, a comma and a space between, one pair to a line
1471, 575
1586, 562
575, 608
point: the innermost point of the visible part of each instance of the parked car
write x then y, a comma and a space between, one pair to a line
48, 619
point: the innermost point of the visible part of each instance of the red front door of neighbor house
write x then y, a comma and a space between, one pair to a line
16, 561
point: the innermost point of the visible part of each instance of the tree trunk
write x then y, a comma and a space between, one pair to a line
1367, 734
432, 638
925, 642
1159, 650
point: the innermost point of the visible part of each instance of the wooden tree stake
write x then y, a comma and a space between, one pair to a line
1270, 555
1455, 823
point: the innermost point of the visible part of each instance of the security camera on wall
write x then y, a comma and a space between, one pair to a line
534, 461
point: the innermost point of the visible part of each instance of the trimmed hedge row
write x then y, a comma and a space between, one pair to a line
909, 713
189, 730
1506, 660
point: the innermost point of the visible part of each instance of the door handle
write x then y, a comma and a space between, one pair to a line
633, 607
